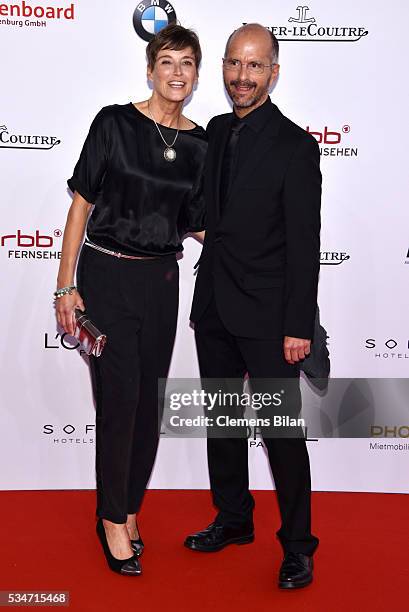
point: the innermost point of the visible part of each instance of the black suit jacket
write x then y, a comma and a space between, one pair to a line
262, 257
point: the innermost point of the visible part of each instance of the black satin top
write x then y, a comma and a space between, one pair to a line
143, 203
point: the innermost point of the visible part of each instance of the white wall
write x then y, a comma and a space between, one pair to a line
54, 80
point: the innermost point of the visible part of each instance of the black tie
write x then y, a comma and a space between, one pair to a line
231, 154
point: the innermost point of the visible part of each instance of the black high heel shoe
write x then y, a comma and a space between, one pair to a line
127, 567
137, 545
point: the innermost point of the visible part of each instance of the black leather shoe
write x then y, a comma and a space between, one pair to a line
296, 571
215, 537
126, 567
137, 545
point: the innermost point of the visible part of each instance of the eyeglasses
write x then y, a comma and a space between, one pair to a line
232, 64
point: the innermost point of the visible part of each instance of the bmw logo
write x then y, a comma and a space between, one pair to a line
151, 16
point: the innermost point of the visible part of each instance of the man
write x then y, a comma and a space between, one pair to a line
256, 290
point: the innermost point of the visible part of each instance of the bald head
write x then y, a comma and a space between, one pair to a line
256, 31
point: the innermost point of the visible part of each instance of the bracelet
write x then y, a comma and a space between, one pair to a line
64, 291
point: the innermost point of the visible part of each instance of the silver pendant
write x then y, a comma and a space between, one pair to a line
169, 154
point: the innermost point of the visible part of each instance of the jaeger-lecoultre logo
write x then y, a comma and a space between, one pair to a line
305, 28
26, 141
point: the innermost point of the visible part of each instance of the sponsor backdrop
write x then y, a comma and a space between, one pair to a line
341, 80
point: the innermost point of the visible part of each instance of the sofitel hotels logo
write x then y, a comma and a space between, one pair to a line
389, 348
303, 26
68, 434
25, 14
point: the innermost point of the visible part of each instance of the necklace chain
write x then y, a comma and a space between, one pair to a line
169, 146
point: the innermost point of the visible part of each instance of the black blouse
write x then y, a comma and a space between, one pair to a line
143, 203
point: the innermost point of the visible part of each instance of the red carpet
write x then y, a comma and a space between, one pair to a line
48, 542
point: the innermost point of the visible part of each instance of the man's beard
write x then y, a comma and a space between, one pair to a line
252, 101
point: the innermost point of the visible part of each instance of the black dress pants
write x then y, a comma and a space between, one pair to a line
222, 355
135, 303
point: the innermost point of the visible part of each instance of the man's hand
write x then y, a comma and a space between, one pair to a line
296, 349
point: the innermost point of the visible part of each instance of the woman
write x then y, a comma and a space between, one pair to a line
141, 168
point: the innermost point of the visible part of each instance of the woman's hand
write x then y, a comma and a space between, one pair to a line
65, 306
200, 236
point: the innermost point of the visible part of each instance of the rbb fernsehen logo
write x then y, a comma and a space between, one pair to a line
151, 16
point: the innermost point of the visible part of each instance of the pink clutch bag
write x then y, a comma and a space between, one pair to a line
91, 339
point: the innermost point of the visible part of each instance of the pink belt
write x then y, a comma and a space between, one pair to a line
116, 253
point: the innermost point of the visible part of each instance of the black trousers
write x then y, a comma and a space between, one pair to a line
222, 355
135, 302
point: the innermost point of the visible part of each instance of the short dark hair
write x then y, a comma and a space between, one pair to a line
173, 37
274, 41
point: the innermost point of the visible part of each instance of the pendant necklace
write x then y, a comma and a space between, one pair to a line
169, 153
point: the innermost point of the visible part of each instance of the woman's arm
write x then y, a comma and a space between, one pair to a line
73, 235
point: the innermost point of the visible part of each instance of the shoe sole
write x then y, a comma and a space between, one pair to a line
292, 585
125, 573
242, 540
